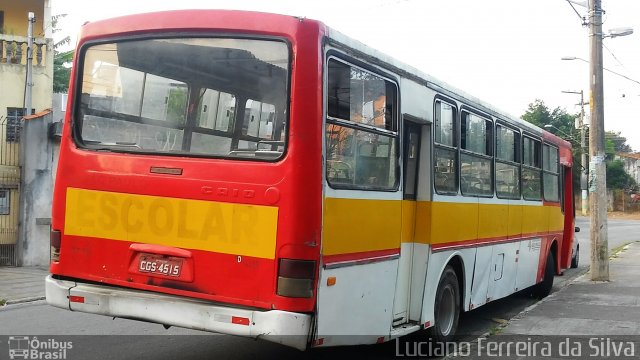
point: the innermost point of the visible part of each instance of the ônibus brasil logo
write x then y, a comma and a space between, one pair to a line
25, 347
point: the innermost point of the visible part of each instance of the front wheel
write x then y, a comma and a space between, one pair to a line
576, 258
446, 307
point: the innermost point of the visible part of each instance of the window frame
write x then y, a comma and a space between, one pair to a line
489, 148
518, 157
551, 172
455, 149
76, 118
6, 199
13, 126
394, 135
526, 135
409, 122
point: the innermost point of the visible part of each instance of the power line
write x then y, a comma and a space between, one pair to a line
615, 58
582, 19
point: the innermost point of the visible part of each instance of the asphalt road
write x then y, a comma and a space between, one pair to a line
98, 337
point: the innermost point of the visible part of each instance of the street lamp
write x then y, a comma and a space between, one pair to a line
624, 31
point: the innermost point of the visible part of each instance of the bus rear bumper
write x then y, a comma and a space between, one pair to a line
287, 328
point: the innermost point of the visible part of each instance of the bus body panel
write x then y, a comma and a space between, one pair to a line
117, 202
231, 222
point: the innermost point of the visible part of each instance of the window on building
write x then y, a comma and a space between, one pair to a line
14, 115
476, 175
445, 164
507, 163
2, 22
361, 129
4, 201
531, 169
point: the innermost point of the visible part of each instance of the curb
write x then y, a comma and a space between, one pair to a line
488, 334
24, 300
577, 279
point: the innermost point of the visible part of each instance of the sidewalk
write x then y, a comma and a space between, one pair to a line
588, 308
20, 284
582, 320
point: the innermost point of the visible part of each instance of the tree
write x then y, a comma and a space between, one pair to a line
562, 125
615, 143
61, 60
61, 71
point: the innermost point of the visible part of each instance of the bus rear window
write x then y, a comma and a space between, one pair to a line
217, 97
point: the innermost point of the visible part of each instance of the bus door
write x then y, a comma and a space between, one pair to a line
411, 155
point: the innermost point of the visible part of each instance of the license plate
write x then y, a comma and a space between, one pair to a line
160, 265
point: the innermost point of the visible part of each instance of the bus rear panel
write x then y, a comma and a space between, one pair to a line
175, 177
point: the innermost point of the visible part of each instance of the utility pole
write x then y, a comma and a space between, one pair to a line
29, 86
597, 168
583, 154
583, 159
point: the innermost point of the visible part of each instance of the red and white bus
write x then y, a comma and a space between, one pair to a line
266, 176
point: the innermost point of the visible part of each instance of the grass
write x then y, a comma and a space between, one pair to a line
617, 250
2, 302
495, 330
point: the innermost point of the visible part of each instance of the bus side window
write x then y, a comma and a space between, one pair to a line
445, 155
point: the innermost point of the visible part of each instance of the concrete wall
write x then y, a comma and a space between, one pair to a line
37, 189
632, 167
15, 16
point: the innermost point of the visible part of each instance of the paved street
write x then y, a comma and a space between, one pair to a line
21, 284
620, 232
130, 339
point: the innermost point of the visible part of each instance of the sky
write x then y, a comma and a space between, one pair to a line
505, 52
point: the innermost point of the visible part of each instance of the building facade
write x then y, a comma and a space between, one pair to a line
631, 163
13, 72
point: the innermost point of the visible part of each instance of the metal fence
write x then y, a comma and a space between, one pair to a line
10, 128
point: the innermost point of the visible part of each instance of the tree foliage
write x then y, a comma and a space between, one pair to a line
615, 143
61, 71
561, 124
61, 60
617, 178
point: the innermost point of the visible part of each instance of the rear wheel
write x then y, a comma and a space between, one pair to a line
544, 288
446, 307
576, 258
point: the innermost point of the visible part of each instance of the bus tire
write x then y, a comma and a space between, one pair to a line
543, 289
575, 260
446, 307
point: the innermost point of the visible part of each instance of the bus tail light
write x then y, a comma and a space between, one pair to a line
295, 278
55, 239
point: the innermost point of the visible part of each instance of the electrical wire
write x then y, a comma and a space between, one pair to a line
615, 58
576, 11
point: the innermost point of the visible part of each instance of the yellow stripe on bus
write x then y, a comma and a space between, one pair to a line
363, 225
356, 225
238, 229
454, 222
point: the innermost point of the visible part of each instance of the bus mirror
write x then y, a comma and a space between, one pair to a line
577, 229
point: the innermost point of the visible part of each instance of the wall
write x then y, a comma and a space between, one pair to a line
632, 167
37, 190
12, 78
15, 16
